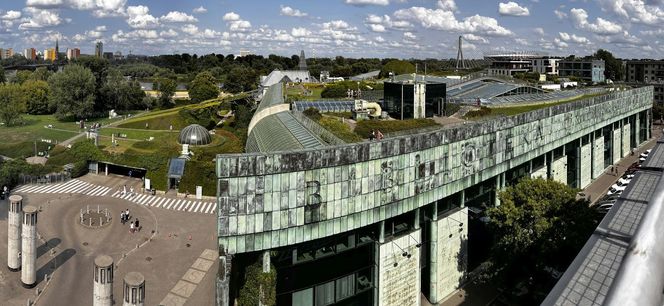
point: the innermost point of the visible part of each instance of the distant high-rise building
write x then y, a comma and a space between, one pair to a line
108, 55
57, 49
6, 53
99, 49
244, 53
30, 53
73, 53
303, 62
49, 54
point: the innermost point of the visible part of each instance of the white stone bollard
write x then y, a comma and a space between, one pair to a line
103, 281
29, 247
134, 289
14, 220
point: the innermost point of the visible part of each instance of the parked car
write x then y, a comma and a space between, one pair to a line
620, 183
616, 190
628, 175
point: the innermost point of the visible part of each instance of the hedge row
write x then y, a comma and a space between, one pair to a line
364, 127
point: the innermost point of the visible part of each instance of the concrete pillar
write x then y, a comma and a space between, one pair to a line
134, 289
103, 281
433, 250
14, 220
29, 247
266, 269
416, 225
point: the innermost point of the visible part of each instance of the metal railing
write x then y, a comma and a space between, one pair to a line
317, 129
51, 178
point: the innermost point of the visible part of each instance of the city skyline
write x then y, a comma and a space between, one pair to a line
351, 28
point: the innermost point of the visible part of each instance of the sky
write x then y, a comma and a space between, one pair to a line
328, 28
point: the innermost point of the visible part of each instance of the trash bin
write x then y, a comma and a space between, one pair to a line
153, 191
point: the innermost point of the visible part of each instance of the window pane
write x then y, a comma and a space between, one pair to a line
304, 297
325, 294
345, 287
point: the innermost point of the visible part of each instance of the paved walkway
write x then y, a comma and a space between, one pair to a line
76, 186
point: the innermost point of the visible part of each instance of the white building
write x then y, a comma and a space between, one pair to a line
545, 65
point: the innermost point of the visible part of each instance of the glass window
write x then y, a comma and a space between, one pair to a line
345, 287
364, 280
304, 297
325, 294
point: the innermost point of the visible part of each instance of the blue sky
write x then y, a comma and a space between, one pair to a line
351, 28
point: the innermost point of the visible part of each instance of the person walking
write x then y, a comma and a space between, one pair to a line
127, 215
122, 217
131, 227
131, 191
136, 225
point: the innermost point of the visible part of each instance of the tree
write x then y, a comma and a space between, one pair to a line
240, 78
166, 92
539, 223
22, 76
12, 103
2, 75
41, 74
613, 67
36, 97
259, 288
334, 91
72, 92
203, 87
397, 67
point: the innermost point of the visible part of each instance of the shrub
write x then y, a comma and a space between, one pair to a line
483, 111
364, 127
255, 279
334, 91
312, 113
339, 129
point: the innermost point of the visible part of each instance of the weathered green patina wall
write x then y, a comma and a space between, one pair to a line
276, 199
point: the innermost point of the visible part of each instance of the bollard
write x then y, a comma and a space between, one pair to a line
101, 222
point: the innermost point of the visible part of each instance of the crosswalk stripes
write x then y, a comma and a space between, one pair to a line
82, 187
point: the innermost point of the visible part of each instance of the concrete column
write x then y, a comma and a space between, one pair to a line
416, 225
266, 269
29, 247
134, 289
433, 251
463, 199
381, 232
14, 220
103, 281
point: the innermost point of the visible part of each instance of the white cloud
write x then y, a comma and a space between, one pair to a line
170, 33
101, 28
446, 21
379, 39
11, 15
512, 9
522, 41
140, 18
539, 31
448, 5
200, 10
475, 38
300, 32
44, 3
231, 16
336, 25
382, 23
178, 17
560, 14
600, 26
560, 44
40, 19
573, 38
409, 36
636, 11
135, 35
368, 2
100, 8
289, 11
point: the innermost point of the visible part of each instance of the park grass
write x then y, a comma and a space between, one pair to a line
163, 119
